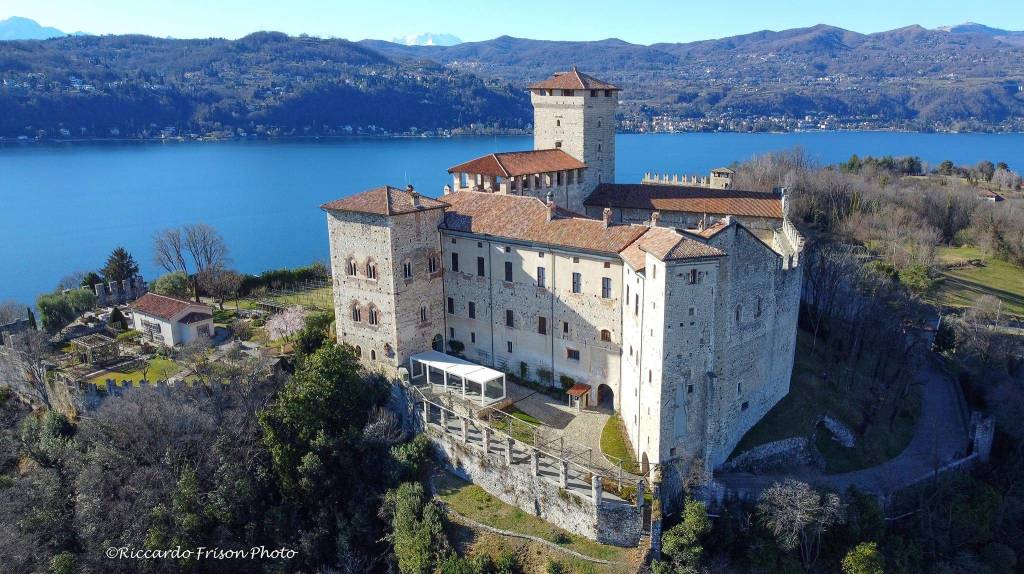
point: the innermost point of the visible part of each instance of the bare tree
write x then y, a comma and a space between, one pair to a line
199, 243
23, 366
383, 427
11, 311
220, 283
798, 516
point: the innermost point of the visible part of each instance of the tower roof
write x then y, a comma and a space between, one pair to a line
515, 163
572, 80
384, 200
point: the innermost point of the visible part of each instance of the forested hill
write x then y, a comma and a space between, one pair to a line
264, 83
967, 77
961, 77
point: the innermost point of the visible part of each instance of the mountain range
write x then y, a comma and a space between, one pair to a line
966, 77
17, 28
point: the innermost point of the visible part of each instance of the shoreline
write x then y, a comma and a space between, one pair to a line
6, 142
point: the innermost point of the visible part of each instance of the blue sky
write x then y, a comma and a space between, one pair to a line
638, 21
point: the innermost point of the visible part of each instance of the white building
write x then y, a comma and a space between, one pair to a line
171, 321
686, 327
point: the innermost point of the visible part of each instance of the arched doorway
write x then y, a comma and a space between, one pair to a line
438, 343
645, 465
605, 397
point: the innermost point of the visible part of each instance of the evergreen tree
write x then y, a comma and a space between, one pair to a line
120, 266
91, 278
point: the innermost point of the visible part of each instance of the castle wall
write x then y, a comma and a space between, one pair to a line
571, 344
754, 354
414, 240
680, 219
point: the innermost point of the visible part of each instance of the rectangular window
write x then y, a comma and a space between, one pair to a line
689, 389
691, 277
540, 277
480, 266
636, 304
606, 287
472, 310
432, 265
565, 327
451, 306
691, 311
745, 405
572, 354
407, 270
472, 337
451, 332
508, 271
455, 261
508, 346
542, 325
509, 320
577, 283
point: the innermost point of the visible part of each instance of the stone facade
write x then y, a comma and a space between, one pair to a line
582, 125
386, 272
553, 329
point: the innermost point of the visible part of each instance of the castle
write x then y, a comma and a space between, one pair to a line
673, 302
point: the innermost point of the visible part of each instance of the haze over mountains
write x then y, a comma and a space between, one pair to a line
965, 77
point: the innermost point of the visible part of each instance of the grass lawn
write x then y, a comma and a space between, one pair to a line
615, 444
961, 287
224, 316
475, 503
521, 432
159, 369
811, 396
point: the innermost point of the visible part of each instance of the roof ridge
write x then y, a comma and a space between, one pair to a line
504, 170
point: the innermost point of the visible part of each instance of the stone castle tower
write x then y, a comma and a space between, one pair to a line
386, 271
575, 112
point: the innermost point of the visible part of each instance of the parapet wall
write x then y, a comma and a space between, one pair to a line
523, 476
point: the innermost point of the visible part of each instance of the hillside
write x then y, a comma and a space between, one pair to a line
967, 77
265, 83
963, 77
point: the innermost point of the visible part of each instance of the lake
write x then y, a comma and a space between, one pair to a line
64, 207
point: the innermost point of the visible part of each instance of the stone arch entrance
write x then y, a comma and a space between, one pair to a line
438, 343
605, 397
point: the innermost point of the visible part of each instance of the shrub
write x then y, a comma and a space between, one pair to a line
456, 346
57, 310
544, 375
566, 381
172, 284
129, 337
864, 559
117, 320
241, 329
554, 567
524, 370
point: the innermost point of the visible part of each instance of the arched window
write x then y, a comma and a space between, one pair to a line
606, 335
407, 269
739, 313
373, 355
357, 314
760, 305
423, 313
359, 351
371, 269
432, 264
372, 315
350, 267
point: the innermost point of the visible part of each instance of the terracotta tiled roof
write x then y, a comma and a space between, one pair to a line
385, 200
515, 163
526, 219
195, 317
688, 199
711, 230
668, 244
163, 306
572, 80
634, 256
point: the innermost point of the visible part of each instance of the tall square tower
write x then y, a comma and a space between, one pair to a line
575, 112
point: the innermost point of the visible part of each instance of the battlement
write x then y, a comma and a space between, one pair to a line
720, 178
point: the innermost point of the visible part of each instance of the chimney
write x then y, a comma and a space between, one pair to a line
552, 208
447, 189
655, 216
413, 194
606, 215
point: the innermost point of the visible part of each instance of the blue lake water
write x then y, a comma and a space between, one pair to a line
64, 207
